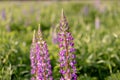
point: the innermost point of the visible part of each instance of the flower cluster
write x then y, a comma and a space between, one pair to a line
40, 62
39, 56
66, 45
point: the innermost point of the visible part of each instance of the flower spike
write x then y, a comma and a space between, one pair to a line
66, 55
39, 56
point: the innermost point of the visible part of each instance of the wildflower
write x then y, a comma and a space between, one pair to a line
85, 10
54, 34
3, 14
40, 61
97, 23
66, 45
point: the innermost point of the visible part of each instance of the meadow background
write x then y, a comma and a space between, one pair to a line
95, 26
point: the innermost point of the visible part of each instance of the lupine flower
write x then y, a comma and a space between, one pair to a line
97, 23
40, 61
85, 10
54, 34
3, 14
66, 45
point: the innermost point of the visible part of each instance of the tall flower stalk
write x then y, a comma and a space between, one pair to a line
66, 56
39, 56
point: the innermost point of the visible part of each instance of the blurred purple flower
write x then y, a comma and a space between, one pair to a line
66, 56
54, 34
85, 10
97, 23
3, 14
40, 61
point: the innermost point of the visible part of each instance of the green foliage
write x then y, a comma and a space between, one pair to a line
97, 50
115, 76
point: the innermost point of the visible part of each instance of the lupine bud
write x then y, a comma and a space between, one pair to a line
66, 56
40, 62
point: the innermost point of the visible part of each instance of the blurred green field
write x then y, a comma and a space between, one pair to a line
95, 27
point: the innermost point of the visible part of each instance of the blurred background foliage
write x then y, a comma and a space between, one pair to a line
95, 26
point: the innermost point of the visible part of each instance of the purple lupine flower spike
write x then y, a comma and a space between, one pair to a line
44, 62
67, 58
42, 69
